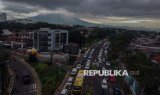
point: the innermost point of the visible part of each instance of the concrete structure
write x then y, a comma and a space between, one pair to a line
5, 35
3, 17
46, 39
21, 40
17, 40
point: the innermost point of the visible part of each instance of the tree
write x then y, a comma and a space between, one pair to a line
4, 54
32, 57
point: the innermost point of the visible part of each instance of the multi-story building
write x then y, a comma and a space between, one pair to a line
3, 17
19, 40
4, 37
46, 39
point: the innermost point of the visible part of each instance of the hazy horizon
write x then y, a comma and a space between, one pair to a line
131, 13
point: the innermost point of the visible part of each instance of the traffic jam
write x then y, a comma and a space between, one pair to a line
94, 58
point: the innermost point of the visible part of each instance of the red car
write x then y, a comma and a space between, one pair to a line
112, 78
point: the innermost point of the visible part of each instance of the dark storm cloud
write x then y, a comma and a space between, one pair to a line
128, 8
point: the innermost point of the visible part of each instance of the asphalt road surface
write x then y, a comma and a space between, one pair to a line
20, 88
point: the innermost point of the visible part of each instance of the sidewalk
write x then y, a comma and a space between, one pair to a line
11, 81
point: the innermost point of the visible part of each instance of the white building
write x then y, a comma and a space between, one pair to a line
46, 39
3, 17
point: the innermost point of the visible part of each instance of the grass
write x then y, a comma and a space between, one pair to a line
50, 77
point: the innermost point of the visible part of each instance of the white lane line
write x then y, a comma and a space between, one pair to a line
30, 91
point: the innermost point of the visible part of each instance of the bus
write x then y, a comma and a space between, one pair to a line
78, 83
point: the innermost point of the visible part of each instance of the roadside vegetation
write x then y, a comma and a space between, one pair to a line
118, 43
4, 57
148, 77
50, 77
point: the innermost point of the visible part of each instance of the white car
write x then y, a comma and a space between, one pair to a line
69, 82
100, 61
89, 61
74, 71
85, 55
78, 66
90, 56
103, 68
104, 59
87, 66
64, 92
104, 84
108, 63
97, 64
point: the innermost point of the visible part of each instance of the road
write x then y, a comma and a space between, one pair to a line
97, 80
20, 88
94, 82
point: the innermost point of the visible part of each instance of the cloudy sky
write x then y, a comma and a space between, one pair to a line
135, 13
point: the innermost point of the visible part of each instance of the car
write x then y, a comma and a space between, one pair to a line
104, 84
103, 68
69, 82
26, 77
89, 60
100, 61
74, 71
90, 56
97, 64
64, 92
117, 91
112, 78
85, 55
104, 60
94, 63
108, 63
87, 66
78, 66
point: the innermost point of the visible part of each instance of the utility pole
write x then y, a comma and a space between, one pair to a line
51, 56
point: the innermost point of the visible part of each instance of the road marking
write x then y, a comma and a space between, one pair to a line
30, 87
30, 91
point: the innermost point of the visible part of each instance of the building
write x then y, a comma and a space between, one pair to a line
5, 35
17, 40
21, 40
3, 17
46, 39
71, 48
